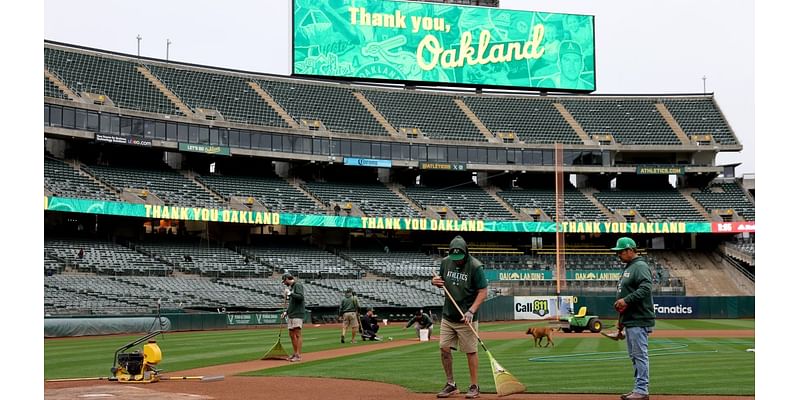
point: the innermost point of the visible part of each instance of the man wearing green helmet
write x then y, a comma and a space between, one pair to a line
637, 314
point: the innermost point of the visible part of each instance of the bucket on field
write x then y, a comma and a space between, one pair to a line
424, 335
385, 322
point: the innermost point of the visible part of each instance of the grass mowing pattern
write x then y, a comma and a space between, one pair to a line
729, 371
704, 366
94, 356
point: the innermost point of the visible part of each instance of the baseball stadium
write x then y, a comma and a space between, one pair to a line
180, 198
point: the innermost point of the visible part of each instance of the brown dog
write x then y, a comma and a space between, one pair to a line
539, 334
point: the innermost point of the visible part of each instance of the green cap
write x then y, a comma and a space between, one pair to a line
624, 243
457, 254
286, 275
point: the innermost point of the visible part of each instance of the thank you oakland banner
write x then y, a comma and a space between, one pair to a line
443, 44
226, 215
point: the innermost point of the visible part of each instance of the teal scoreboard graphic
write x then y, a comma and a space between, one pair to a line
443, 44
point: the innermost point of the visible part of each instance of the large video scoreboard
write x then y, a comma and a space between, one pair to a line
442, 44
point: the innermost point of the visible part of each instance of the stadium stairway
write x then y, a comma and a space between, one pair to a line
492, 191
183, 108
573, 123
377, 115
395, 188
673, 124
190, 175
298, 184
589, 194
61, 86
476, 121
273, 104
82, 171
687, 194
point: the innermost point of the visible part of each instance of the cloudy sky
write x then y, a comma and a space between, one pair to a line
643, 46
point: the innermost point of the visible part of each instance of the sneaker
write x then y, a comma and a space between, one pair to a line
448, 390
352, 342
637, 396
342, 338
625, 396
473, 393
291, 358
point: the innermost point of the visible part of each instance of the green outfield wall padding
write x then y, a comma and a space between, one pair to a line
501, 308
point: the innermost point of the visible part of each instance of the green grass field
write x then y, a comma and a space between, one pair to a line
585, 364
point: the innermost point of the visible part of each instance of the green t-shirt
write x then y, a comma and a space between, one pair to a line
635, 286
463, 284
424, 320
297, 301
349, 304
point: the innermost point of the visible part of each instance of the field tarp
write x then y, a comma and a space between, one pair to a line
62, 327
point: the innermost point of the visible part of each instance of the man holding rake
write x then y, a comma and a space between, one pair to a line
295, 313
461, 275
637, 314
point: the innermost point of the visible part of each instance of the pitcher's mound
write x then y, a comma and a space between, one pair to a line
117, 392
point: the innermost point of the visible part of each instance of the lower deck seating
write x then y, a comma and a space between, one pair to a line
374, 199
64, 181
169, 185
275, 194
400, 264
378, 293
204, 292
469, 202
576, 206
104, 257
724, 196
304, 261
92, 294
655, 205
204, 260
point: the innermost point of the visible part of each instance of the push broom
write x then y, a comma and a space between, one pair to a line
504, 382
277, 351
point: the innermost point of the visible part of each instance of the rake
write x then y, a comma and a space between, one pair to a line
277, 351
504, 382
619, 334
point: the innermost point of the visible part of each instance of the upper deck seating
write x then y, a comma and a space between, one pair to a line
629, 121
532, 120
113, 77
436, 115
334, 106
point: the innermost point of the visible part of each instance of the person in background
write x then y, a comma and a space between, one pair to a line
420, 320
295, 313
348, 314
369, 325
